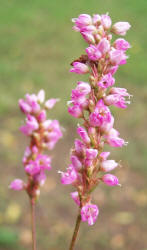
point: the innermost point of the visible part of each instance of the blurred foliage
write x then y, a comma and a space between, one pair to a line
37, 45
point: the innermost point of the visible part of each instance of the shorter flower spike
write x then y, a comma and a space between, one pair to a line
43, 134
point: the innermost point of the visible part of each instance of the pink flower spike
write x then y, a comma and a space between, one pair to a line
17, 184
106, 21
108, 165
89, 213
110, 180
83, 134
120, 28
49, 104
79, 68
75, 197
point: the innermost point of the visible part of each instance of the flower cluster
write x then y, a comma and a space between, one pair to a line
43, 135
90, 102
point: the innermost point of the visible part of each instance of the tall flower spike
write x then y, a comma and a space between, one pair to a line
92, 104
43, 134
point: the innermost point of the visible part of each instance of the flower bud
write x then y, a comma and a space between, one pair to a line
120, 28
106, 21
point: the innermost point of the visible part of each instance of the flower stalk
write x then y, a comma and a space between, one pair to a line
32, 203
43, 135
91, 102
75, 233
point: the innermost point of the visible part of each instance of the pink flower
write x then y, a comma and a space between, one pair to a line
79, 147
79, 68
40, 178
117, 57
120, 91
116, 100
121, 44
106, 21
91, 154
108, 165
104, 155
113, 139
68, 177
100, 115
53, 133
33, 102
110, 180
84, 88
42, 162
83, 134
89, 29
76, 162
96, 19
82, 21
25, 107
49, 104
95, 52
120, 28
31, 125
75, 111
42, 116
88, 37
41, 96
78, 97
107, 125
17, 184
106, 81
112, 69
75, 197
104, 46
89, 213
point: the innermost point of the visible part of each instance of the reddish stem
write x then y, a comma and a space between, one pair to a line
32, 202
76, 230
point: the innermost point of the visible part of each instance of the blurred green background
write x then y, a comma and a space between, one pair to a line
37, 45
